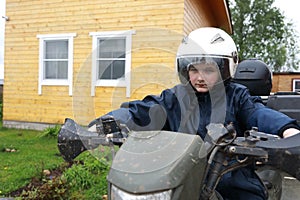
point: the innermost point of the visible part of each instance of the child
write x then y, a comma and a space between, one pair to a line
206, 61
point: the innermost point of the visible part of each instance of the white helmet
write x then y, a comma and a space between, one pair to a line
205, 44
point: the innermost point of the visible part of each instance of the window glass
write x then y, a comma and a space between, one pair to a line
296, 85
111, 58
111, 48
56, 49
111, 69
56, 70
56, 59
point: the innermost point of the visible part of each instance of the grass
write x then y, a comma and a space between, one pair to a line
25, 154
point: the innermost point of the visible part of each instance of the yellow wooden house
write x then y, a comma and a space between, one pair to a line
81, 59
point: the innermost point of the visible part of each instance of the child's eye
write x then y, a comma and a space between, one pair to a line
192, 68
209, 70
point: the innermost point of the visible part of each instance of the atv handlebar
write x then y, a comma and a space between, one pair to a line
73, 139
283, 154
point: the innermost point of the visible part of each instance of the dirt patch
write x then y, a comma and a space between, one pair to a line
40, 182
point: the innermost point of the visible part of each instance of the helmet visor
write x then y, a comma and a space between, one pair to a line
184, 63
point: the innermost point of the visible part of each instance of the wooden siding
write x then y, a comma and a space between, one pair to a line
200, 13
283, 82
151, 46
159, 29
196, 15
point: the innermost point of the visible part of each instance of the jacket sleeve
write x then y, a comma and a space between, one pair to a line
271, 121
254, 113
266, 119
151, 113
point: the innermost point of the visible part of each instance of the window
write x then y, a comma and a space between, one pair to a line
296, 85
56, 60
111, 59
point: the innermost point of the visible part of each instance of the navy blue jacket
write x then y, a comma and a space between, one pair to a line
181, 109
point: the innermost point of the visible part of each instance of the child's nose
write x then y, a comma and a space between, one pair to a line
200, 75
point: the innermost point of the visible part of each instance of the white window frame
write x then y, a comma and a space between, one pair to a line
121, 82
294, 85
59, 82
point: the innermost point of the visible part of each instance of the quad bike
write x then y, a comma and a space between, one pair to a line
167, 165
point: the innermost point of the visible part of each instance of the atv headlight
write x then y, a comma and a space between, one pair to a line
117, 194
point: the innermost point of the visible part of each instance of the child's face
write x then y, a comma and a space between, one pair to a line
203, 76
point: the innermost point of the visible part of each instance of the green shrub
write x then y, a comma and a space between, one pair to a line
88, 178
51, 131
